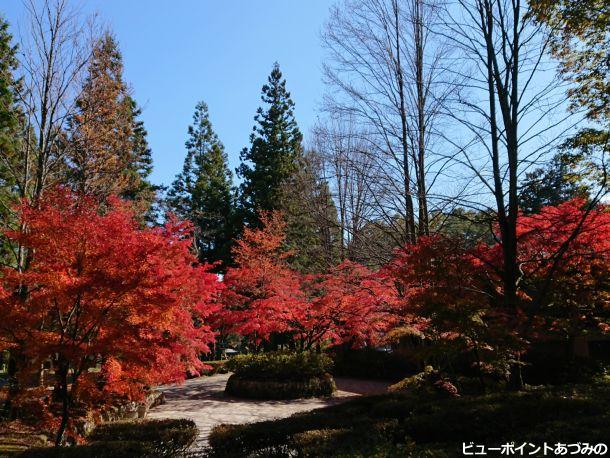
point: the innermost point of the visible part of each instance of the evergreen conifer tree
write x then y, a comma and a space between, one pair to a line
274, 152
109, 152
202, 192
10, 127
312, 227
9, 112
101, 129
139, 188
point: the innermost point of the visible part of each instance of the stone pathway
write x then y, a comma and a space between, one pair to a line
203, 400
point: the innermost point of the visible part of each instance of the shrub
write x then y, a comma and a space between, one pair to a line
398, 424
426, 383
280, 389
356, 437
166, 437
218, 367
280, 375
280, 366
113, 449
361, 440
370, 363
545, 365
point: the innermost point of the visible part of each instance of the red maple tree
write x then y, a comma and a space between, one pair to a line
100, 290
348, 305
261, 293
564, 257
563, 289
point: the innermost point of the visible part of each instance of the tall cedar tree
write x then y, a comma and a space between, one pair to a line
108, 149
274, 152
202, 192
312, 227
141, 191
9, 121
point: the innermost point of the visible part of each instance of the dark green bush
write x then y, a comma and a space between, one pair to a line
548, 367
113, 449
370, 363
426, 383
141, 439
360, 438
280, 366
218, 367
280, 375
407, 424
280, 389
166, 437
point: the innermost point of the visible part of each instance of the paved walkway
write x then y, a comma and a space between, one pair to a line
203, 400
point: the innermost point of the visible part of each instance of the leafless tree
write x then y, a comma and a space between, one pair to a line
385, 73
510, 111
349, 168
55, 49
346, 167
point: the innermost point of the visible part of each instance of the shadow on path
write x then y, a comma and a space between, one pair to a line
203, 400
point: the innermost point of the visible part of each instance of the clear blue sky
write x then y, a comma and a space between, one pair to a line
220, 51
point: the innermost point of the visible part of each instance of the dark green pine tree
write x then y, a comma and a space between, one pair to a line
9, 114
140, 189
274, 152
312, 227
568, 175
202, 192
11, 164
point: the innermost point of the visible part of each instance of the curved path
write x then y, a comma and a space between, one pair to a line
203, 400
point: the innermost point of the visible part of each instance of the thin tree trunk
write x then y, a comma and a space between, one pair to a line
409, 207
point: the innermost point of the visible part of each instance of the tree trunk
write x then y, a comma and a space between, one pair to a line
579, 347
64, 394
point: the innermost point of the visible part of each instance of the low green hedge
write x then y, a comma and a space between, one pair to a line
280, 389
142, 439
280, 375
351, 439
114, 449
280, 365
404, 424
217, 367
370, 363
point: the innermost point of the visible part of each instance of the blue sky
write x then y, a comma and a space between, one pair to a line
220, 51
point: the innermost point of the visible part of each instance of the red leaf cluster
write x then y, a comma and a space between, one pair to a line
99, 289
263, 296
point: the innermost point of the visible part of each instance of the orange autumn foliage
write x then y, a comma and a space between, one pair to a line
99, 290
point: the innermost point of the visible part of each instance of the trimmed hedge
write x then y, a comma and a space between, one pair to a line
142, 439
400, 424
280, 375
280, 365
351, 439
370, 363
114, 449
280, 389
